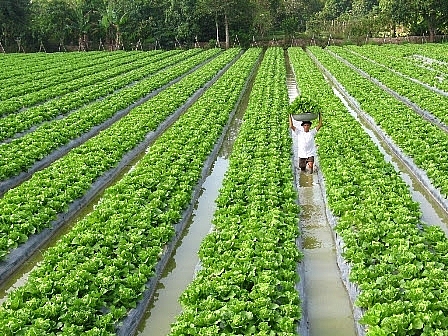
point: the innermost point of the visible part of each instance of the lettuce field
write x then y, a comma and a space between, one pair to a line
130, 136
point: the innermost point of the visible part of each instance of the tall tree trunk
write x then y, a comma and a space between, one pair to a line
432, 34
226, 25
217, 30
431, 19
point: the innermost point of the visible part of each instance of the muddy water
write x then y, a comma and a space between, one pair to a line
327, 303
19, 278
181, 267
432, 212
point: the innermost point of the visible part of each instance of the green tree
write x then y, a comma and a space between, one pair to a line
301, 11
278, 10
14, 16
241, 22
363, 7
263, 17
80, 22
396, 12
147, 21
49, 21
238, 13
433, 14
333, 9
113, 16
181, 19
216, 9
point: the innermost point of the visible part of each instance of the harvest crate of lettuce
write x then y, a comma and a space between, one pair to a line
304, 108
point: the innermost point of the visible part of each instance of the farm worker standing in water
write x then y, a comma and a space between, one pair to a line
306, 147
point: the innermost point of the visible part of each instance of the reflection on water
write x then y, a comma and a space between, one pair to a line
305, 179
231, 135
328, 305
309, 242
18, 279
310, 214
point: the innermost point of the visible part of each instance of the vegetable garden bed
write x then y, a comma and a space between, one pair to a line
393, 264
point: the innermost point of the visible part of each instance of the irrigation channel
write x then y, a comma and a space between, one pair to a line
181, 267
327, 308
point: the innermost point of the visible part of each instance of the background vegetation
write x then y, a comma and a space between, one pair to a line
52, 25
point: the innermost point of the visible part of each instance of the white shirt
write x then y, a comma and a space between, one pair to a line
306, 146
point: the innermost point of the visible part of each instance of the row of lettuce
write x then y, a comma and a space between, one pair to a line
397, 263
427, 63
246, 284
34, 204
34, 66
22, 153
103, 80
39, 84
420, 95
98, 271
420, 140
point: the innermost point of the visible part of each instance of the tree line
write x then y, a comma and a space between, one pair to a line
33, 25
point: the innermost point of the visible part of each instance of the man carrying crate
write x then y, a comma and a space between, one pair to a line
306, 146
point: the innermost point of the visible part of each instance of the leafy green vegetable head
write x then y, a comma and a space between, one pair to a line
304, 104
